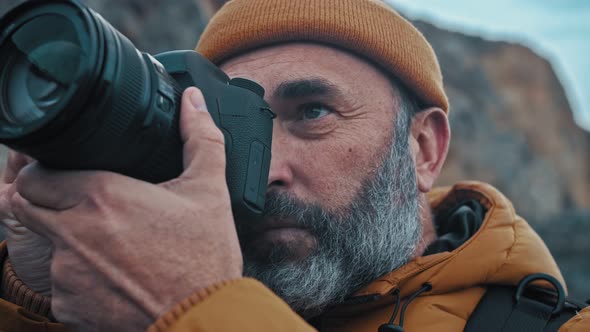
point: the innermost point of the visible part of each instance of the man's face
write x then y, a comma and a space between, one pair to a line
342, 199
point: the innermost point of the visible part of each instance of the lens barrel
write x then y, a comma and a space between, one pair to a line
73, 89
76, 94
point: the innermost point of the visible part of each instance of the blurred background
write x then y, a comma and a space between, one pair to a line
516, 72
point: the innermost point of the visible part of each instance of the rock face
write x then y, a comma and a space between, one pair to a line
511, 122
512, 125
152, 25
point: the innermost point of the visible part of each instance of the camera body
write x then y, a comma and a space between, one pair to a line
76, 94
239, 111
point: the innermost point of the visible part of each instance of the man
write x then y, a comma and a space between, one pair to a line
353, 229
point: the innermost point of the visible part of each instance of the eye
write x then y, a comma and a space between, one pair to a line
313, 111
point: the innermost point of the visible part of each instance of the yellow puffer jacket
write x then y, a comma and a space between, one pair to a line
502, 251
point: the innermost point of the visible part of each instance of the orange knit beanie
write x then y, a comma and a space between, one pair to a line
368, 28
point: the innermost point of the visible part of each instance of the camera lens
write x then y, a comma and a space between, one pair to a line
42, 58
75, 93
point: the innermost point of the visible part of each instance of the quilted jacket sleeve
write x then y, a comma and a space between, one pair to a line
579, 323
240, 305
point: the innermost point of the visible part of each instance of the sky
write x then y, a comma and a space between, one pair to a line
558, 30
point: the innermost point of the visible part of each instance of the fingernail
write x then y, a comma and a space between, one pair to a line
198, 101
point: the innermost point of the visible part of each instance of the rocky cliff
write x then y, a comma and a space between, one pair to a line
513, 127
511, 122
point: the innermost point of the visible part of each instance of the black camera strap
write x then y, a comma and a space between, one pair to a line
508, 309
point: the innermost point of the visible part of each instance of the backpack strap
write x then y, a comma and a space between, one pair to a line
523, 308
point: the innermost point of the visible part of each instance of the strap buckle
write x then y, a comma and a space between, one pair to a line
523, 284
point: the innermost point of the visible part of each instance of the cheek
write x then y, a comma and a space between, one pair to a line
331, 172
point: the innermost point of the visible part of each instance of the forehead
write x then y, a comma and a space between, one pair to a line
270, 66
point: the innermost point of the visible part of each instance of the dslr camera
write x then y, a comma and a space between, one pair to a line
76, 94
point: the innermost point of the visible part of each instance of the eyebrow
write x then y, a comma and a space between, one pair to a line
312, 87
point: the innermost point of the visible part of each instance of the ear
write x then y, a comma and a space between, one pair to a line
429, 141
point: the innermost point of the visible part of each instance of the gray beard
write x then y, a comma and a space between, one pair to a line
377, 233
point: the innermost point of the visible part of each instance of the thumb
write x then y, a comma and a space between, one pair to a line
203, 141
14, 163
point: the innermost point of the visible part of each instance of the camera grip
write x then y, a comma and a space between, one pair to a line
245, 119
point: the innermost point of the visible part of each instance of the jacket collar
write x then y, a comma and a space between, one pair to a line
502, 251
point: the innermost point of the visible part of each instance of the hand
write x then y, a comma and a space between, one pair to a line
126, 251
30, 253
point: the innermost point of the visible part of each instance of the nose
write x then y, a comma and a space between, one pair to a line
280, 175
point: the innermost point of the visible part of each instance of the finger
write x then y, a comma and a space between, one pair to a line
14, 163
6, 191
37, 246
51, 189
14, 229
30, 254
62, 190
203, 142
37, 219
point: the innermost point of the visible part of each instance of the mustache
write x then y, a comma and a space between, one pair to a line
280, 205
284, 205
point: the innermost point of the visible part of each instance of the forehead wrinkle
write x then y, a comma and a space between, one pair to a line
251, 64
